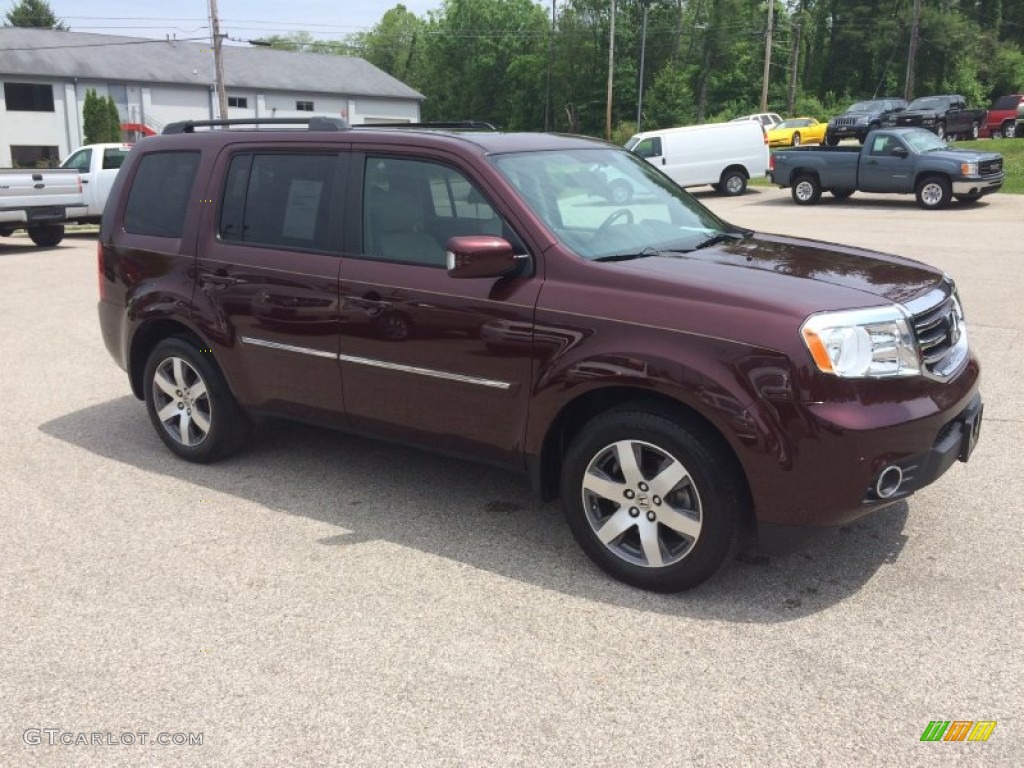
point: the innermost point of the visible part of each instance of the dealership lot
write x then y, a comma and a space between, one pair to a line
323, 599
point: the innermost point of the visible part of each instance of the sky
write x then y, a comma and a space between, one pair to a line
240, 19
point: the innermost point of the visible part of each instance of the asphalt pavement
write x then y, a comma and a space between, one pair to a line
322, 599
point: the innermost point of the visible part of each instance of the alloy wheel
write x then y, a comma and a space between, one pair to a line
181, 401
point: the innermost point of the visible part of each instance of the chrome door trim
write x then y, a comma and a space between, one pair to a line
492, 383
287, 347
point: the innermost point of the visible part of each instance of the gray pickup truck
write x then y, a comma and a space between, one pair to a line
901, 160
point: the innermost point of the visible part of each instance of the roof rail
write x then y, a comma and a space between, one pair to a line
328, 124
456, 125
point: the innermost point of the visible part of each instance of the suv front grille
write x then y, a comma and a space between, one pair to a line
846, 121
990, 167
939, 332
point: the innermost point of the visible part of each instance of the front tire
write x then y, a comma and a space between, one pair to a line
975, 131
46, 235
933, 192
940, 130
732, 183
652, 501
806, 190
189, 403
831, 140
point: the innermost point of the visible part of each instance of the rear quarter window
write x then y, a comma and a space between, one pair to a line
160, 194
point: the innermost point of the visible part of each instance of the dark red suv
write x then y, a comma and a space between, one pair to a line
673, 378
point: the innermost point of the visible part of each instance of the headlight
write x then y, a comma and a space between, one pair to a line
928, 120
969, 169
862, 119
862, 343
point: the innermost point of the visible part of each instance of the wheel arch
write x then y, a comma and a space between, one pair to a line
145, 339
576, 413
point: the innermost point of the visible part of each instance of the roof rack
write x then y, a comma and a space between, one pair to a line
455, 125
328, 124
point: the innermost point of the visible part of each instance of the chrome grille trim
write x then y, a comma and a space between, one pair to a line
940, 332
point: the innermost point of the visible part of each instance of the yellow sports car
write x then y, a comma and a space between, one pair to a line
799, 130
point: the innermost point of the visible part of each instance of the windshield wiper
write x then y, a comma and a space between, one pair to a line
721, 237
629, 256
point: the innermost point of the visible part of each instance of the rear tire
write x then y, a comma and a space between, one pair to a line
940, 130
1009, 129
732, 183
189, 403
933, 192
651, 500
975, 131
46, 235
806, 189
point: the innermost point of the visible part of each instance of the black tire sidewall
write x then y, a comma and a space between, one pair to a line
815, 197
228, 426
713, 474
724, 183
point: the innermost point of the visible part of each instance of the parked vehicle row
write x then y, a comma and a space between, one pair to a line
897, 160
861, 118
946, 115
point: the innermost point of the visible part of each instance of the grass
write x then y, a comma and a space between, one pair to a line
1012, 151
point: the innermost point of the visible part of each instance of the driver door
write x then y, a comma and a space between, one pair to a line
884, 169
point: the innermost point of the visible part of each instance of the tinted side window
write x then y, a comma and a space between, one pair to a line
280, 200
411, 208
160, 194
114, 158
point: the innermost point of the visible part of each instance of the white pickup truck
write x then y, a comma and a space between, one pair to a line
39, 201
97, 166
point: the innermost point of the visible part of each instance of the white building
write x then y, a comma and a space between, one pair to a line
46, 73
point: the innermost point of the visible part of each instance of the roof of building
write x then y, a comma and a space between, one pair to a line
57, 54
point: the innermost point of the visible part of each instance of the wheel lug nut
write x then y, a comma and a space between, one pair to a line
651, 516
634, 512
180, 406
643, 486
177, 392
629, 493
657, 501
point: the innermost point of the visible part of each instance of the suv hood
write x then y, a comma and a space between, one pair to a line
789, 276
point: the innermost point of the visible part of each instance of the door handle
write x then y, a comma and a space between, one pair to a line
220, 277
85, 181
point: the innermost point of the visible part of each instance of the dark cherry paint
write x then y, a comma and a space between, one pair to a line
539, 349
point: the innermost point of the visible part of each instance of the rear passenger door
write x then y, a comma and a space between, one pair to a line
426, 357
267, 277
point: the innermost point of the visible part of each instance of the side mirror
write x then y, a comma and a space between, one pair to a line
480, 256
899, 152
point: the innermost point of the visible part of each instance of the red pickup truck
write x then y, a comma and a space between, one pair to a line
1005, 116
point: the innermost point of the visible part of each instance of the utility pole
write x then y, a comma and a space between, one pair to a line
767, 56
611, 70
551, 54
915, 32
794, 64
643, 49
218, 62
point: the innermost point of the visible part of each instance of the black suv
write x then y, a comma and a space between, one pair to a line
861, 118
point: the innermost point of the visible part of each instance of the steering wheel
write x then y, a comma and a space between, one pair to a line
622, 213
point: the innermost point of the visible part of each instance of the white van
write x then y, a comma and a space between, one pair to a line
724, 155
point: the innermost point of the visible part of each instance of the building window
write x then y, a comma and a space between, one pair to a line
304, 106
35, 157
28, 97
238, 102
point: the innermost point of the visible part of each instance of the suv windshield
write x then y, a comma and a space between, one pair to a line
572, 192
866, 106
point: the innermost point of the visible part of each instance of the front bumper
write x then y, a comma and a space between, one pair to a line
979, 185
848, 131
819, 464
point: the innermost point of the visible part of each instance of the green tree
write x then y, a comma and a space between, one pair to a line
94, 120
113, 120
395, 44
34, 13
